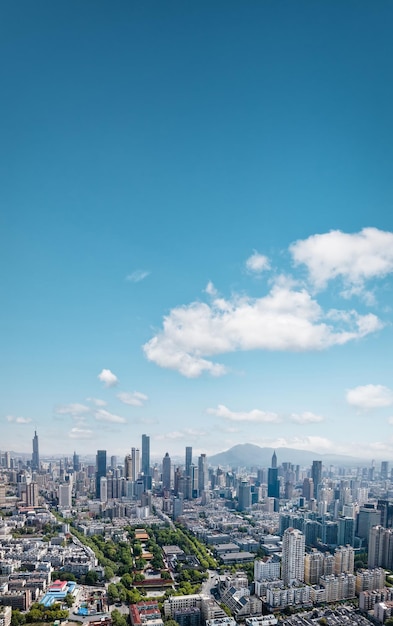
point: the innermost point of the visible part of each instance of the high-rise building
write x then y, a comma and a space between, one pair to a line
293, 552
368, 517
136, 463
188, 460
100, 470
113, 462
346, 531
166, 472
273, 483
32, 494
75, 462
316, 475
343, 560
35, 459
104, 489
65, 499
146, 455
244, 496
203, 474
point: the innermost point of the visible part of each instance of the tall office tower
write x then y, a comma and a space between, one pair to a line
194, 480
100, 470
308, 488
203, 474
35, 459
104, 489
188, 460
136, 464
65, 499
316, 475
128, 467
146, 455
244, 496
386, 509
273, 483
368, 517
75, 462
113, 462
384, 470
166, 472
346, 531
293, 552
343, 560
7, 460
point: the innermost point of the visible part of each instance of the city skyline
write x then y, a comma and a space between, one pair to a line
197, 240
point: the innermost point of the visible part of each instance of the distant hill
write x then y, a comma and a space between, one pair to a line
249, 455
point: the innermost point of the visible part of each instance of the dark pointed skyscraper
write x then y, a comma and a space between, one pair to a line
273, 484
35, 459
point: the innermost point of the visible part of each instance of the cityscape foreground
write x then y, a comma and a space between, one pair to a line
193, 544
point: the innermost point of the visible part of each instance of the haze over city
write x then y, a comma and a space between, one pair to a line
197, 237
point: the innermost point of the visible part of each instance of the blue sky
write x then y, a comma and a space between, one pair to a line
196, 225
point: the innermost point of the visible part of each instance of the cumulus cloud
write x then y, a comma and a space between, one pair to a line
97, 401
18, 420
80, 433
136, 398
306, 418
105, 416
108, 378
137, 276
210, 289
353, 257
285, 319
370, 397
244, 416
74, 409
257, 263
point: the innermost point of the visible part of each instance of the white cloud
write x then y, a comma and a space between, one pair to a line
137, 276
370, 396
244, 416
80, 433
353, 257
133, 399
306, 418
186, 433
284, 319
18, 420
108, 378
74, 409
97, 401
257, 263
105, 416
210, 289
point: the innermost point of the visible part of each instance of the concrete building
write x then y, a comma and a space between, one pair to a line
293, 552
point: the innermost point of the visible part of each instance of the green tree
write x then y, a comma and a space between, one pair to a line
118, 619
91, 577
17, 618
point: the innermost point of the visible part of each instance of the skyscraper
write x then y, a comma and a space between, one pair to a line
273, 484
35, 459
100, 470
146, 455
316, 475
188, 460
293, 552
202, 473
166, 472
136, 463
75, 462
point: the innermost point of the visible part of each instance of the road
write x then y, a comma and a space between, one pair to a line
208, 584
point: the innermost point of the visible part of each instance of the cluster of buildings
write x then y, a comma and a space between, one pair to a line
302, 527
